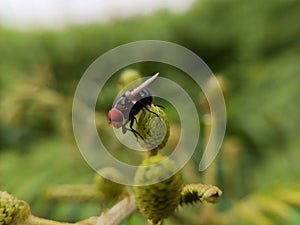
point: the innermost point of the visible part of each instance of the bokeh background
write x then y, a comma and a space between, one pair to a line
254, 48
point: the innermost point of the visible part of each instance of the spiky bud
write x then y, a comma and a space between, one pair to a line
105, 186
160, 198
12, 209
126, 78
154, 127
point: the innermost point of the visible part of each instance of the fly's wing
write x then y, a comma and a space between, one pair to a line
131, 95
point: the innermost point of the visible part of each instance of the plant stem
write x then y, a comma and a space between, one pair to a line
33, 220
209, 177
68, 192
119, 212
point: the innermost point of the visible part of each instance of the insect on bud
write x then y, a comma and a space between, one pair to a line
129, 104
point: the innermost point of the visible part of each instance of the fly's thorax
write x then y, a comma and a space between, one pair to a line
144, 97
142, 100
124, 105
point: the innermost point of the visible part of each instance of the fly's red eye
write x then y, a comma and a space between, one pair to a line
109, 115
115, 115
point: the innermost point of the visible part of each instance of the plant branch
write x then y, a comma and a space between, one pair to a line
68, 192
33, 220
118, 212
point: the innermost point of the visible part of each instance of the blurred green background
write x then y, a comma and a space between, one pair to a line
253, 45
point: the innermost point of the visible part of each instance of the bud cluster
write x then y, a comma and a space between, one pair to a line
10, 208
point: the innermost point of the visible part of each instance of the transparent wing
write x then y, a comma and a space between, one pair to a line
132, 94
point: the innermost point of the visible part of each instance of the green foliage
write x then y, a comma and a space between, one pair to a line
29, 173
255, 45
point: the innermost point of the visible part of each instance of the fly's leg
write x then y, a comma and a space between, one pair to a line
160, 106
136, 133
124, 129
145, 107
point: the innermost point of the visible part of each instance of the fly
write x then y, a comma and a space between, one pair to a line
129, 105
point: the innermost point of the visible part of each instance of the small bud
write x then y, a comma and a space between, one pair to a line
159, 199
126, 78
106, 188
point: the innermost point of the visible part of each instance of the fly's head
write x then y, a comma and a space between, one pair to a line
116, 118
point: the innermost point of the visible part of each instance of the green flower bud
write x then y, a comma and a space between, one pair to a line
106, 188
127, 77
159, 199
154, 129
